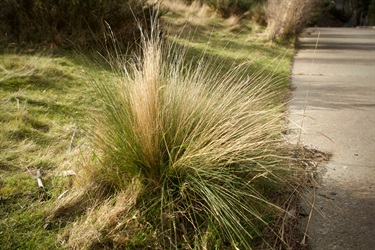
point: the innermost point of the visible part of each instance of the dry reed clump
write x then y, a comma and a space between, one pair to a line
195, 8
234, 22
186, 151
288, 18
196, 13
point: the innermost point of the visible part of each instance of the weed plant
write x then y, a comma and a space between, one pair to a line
184, 157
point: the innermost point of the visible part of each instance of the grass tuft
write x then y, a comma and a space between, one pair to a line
185, 156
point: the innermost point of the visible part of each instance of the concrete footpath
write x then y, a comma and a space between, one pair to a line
334, 102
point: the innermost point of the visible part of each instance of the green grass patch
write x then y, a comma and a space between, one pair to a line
44, 99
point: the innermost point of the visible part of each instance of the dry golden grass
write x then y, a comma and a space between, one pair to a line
112, 218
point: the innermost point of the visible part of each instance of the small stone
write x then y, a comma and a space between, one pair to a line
333, 193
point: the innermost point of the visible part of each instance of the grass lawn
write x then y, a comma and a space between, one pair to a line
45, 102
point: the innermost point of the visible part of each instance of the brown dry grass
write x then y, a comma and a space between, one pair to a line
109, 219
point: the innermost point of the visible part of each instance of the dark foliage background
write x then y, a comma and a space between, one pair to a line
67, 23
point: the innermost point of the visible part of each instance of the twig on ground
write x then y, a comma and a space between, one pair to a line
39, 176
18, 104
62, 195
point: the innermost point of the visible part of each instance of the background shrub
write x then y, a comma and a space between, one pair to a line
371, 11
356, 12
61, 23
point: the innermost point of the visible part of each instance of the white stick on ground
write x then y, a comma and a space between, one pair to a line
39, 176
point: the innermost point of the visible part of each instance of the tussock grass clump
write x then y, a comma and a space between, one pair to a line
184, 155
